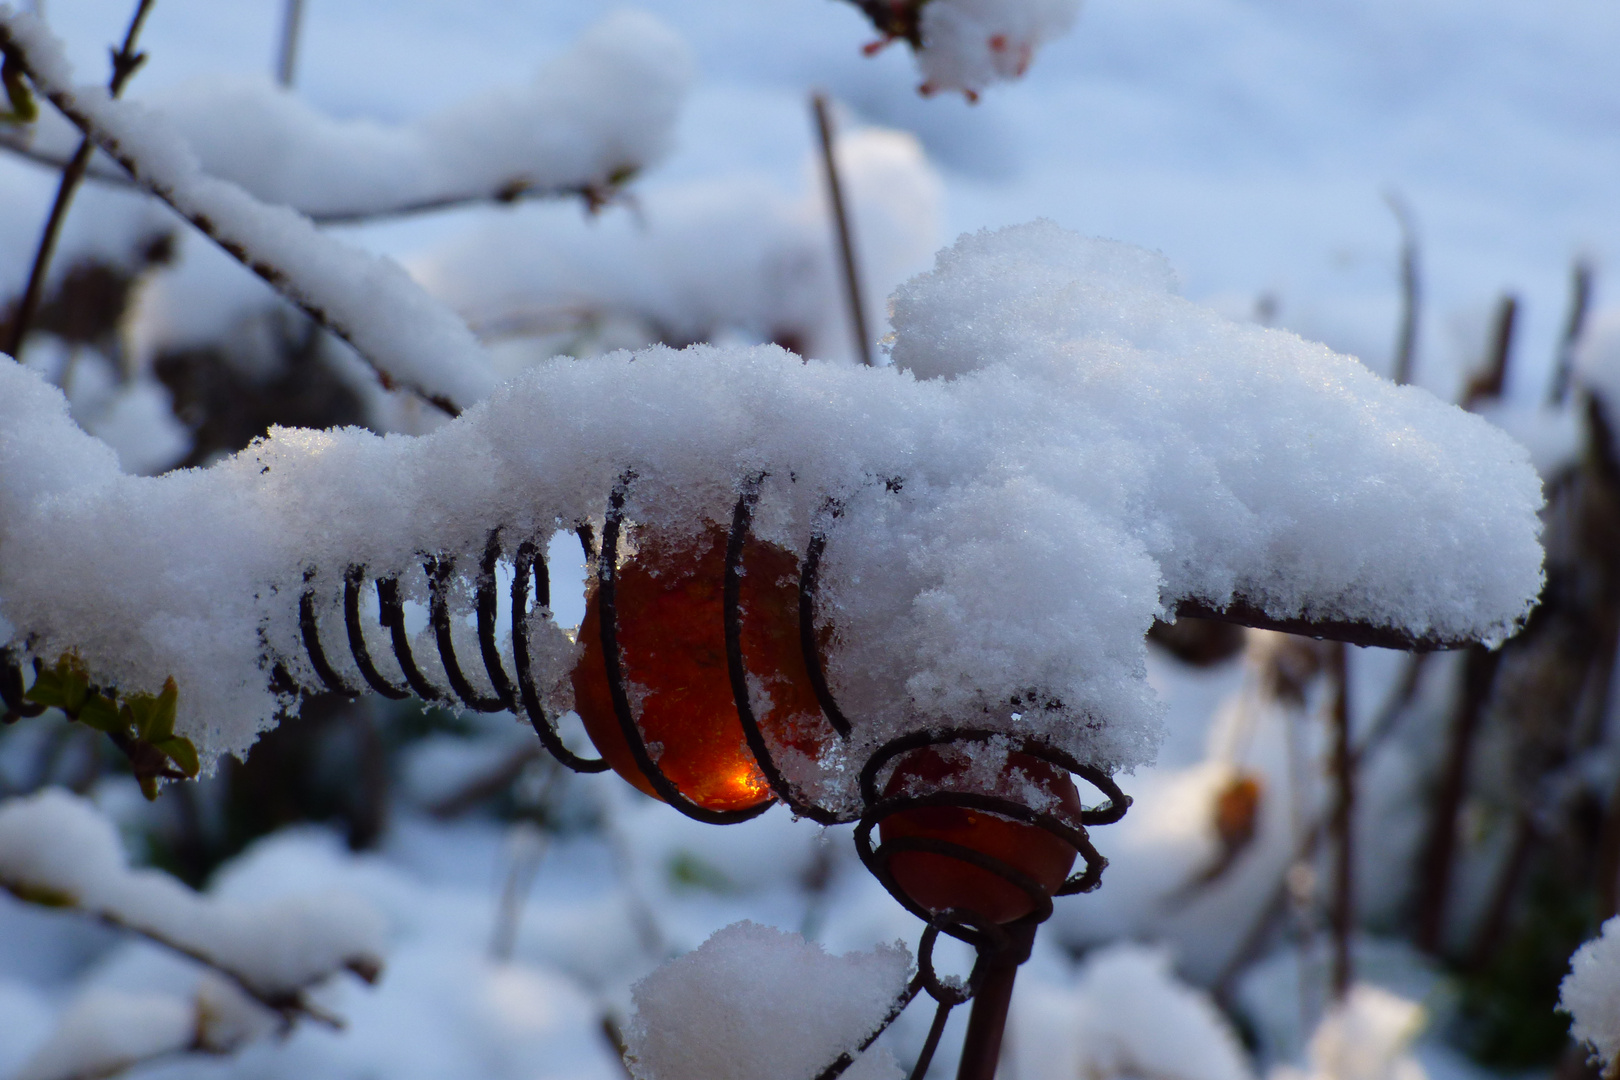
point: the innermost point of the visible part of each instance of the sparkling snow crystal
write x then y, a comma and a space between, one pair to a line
753, 1003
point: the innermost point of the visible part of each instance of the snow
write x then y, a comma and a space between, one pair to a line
754, 1003
1590, 993
603, 109
769, 267
969, 44
107, 1031
1126, 1014
1363, 1037
1125, 449
373, 302
54, 847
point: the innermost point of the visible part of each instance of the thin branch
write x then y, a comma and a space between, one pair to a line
288, 1004
1580, 302
1245, 612
287, 55
1488, 384
595, 196
1441, 846
846, 240
125, 62
1344, 774
1411, 291
398, 315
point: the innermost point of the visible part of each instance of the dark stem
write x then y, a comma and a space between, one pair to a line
1440, 851
1245, 613
124, 64
846, 240
1411, 292
1493, 925
1488, 384
1344, 772
287, 57
981, 1047
1580, 300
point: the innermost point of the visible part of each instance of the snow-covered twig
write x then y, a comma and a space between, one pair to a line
125, 62
370, 302
55, 850
595, 196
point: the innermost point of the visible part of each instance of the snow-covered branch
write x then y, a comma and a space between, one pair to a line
55, 850
1077, 450
370, 302
599, 113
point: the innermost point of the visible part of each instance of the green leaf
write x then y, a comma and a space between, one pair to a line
101, 712
178, 749
152, 717
65, 686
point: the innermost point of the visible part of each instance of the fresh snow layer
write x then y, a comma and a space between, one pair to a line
1591, 993
55, 847
1063, 450
603, 109
754, 1003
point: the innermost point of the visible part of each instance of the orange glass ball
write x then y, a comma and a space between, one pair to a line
671, 633
939, 883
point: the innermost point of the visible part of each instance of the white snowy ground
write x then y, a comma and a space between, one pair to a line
1250, 140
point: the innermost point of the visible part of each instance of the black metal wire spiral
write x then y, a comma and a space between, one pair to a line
517, 692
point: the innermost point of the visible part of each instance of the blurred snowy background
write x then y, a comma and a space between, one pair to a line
1258, 144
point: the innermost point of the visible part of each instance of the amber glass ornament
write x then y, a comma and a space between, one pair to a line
671, 631
939, 883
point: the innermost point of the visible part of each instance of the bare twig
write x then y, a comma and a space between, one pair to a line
287, 55
1488, 383
1246, 613
289, 1005
1411, 291
1344, 773
125, 62
846, 240
1440, 849
1580, 301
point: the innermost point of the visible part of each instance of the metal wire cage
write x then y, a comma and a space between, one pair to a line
1000, 948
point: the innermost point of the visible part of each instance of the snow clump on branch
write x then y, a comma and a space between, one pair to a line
55, 849
1063, 451
599, 112
1590, 994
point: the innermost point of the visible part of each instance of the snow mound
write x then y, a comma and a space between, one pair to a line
754, 1003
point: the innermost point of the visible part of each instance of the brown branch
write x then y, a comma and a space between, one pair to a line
125, 62
1344, 774
846, 239
1245, 613
1411, 291
1440, 849
278, 278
